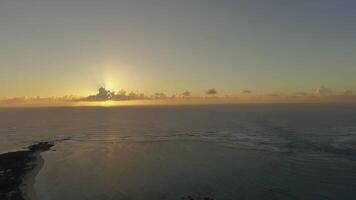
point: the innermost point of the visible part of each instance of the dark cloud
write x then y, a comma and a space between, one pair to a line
121, 95
121, 92
106, 95
293, 96
246, 91
347, 92
160, 95
102, 95
301, 94
186, 93
321, 94
133, 95
274, 95
211, 91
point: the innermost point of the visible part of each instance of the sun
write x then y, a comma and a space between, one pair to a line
109, 85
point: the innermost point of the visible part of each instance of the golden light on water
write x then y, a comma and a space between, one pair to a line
108, 103
155, 102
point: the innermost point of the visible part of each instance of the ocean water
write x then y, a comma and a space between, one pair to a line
304, 151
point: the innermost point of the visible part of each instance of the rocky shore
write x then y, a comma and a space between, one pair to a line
15, 167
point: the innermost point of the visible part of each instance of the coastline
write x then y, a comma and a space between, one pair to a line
18, 170
28, 182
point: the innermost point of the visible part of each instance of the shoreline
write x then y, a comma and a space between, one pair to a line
18, 170
28, 182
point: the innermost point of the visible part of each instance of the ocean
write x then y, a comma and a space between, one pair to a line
222, 152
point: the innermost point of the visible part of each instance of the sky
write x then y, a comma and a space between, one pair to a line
52, 48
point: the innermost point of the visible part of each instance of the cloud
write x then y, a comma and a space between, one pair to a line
122, 95
324, 95
133, 95
323, 92
186, 93
106, 95
293, 96
37, 101
347, 92
211, 91
301, 94
246, 91
121, 92
160, 95
102, 95
274, 95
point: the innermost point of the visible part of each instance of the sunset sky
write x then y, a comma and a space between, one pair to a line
52, 48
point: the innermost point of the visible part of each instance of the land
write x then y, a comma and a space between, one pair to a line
16, 168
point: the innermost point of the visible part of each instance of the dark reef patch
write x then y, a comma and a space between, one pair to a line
14, 166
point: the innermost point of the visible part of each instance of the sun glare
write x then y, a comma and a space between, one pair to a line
109, 85
108, 103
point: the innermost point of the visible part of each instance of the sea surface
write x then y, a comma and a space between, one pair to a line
222, 152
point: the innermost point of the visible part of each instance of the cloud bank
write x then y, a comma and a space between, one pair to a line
246, 92
107, 95
186, 94
319, 95
211, 91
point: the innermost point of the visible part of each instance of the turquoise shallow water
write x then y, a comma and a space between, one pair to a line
220, 152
